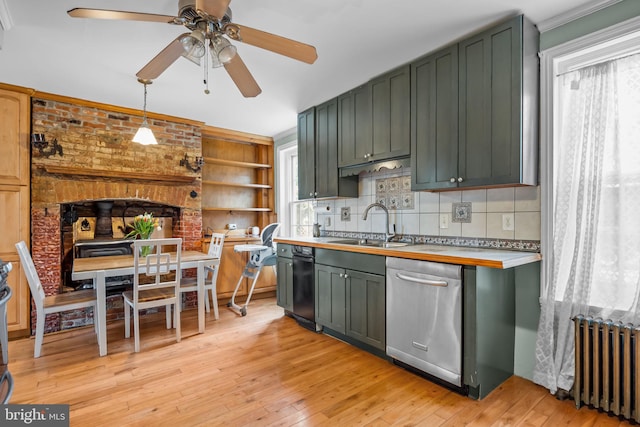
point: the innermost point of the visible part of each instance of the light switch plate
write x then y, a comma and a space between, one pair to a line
507, 222
345, 214
444, 221
327, 222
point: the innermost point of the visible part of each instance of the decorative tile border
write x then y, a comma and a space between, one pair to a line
468, 242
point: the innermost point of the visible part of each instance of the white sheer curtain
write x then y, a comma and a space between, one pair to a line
595, 252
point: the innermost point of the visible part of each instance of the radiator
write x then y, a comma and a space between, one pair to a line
607, 373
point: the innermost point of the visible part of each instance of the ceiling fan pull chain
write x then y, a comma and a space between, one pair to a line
206, 75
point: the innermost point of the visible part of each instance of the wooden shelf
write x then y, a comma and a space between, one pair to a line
102, 173
224, 162
234, 184
237, 209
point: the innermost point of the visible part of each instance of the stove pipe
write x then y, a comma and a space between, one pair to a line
103, 221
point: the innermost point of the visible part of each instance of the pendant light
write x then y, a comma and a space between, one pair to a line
144, 135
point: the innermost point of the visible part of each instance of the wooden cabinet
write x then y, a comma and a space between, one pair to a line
318, 175
474, 111
349, 300
237, 179
434, 120
14, 199
307, 154
391, 113
354, 126
284, 291
373, 120
330, 297
366, 319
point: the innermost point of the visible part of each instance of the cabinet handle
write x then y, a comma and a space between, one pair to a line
311, 194
346, 276
452, 179
341, 275
460, 179
422, 281
315, 193
290, 265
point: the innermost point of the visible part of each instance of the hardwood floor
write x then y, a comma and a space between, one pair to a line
262, 369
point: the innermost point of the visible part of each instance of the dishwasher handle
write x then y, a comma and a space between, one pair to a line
441, 283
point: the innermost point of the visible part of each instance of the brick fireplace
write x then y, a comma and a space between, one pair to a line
100, 163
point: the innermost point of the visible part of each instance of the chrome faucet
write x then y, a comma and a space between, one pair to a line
387, 235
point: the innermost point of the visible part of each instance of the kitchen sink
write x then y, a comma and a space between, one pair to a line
371, 243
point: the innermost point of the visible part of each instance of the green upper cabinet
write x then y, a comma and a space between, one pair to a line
354, 126
306, 154
391, 107
318, 175
496, 101
434, 120
374, 120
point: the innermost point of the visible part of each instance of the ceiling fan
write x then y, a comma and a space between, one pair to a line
209, 21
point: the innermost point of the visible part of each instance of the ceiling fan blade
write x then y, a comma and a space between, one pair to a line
278, 44
79, 12
215, 8
241, 76
163, 60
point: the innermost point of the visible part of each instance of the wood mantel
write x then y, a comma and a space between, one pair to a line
103, 173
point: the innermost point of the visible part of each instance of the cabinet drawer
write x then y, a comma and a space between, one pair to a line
284, 250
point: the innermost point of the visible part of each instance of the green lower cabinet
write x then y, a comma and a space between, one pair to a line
330, 297
284, 287
351, 303
366, 308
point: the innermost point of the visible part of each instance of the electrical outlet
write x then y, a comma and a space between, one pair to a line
507, 222
327, 222
232, 226
444, 221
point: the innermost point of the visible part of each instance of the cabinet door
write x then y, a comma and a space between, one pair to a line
285, 283
491, 106
330, 302
306, 154
354, 126
14, 227
434, 120
14, 137
366, 308
326, 167
391, 106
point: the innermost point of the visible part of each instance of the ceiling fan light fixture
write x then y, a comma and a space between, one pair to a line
215, 62
144, 135
193, 45
223, 49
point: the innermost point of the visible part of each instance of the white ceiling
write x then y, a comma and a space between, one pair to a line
97, 60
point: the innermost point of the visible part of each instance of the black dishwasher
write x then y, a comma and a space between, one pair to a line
304, 286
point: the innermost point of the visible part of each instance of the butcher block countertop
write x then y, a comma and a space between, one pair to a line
494, 258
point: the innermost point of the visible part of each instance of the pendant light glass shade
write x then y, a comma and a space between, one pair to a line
215, 62
223, 50
144, 135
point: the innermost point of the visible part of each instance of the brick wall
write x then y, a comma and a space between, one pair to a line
93, 138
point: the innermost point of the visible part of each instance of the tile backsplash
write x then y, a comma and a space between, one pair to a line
511, 213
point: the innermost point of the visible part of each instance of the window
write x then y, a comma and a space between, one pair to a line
296, 216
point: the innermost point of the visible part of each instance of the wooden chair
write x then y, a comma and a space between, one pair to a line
53, 303
190, 284
163, 289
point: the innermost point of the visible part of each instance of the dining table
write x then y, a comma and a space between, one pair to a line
101, 267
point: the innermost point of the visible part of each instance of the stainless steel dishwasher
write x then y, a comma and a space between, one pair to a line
424, 317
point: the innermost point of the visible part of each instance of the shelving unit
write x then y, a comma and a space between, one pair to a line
237, 179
